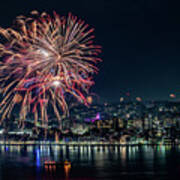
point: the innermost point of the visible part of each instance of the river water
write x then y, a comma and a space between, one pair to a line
90, 162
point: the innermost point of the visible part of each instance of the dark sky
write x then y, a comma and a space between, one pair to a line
140, 39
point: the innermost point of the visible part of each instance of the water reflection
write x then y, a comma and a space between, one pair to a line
38, 163
93, 161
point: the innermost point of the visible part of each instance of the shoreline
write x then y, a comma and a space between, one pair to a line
84, 143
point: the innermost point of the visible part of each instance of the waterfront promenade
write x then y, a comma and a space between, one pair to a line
84, 143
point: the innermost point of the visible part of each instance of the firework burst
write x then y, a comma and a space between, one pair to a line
44, 59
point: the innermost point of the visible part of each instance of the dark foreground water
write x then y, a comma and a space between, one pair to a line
90, 162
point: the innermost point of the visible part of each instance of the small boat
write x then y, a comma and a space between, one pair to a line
67, 163
49, 162
54, 163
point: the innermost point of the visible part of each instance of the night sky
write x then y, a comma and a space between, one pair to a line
140, 40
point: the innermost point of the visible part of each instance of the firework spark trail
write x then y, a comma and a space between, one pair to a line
43, 59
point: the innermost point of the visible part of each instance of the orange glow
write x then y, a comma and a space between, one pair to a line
172, 95
138, 99
89, 99
17, 98
67, 167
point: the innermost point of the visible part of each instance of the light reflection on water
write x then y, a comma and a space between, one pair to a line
141, 162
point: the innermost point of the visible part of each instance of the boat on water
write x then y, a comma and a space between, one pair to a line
54, 163
67, 163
